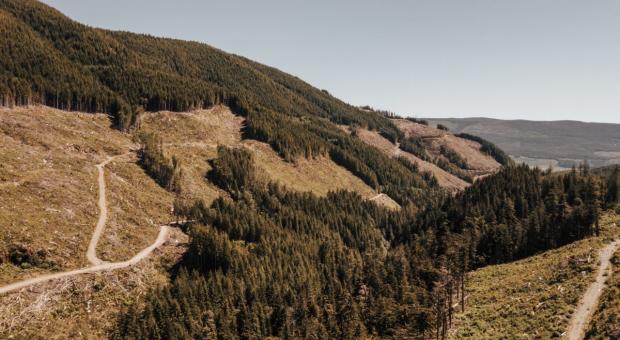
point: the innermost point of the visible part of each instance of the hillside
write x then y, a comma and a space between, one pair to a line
70, 66
605, 323
558, 143
535, 297
48, 182
158, 188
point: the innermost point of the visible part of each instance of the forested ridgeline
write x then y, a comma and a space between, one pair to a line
49, 59
271, 262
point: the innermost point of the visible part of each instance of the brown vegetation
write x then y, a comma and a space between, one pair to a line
444, 178
478, 163
193, 138
49, 190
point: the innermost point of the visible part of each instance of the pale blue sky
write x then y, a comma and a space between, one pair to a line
529, 59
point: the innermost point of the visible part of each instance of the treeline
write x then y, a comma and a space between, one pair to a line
521, 211
453, 157
166, 171
451, 161
417, 147
123, 73
489, 148
417, 120
272, 262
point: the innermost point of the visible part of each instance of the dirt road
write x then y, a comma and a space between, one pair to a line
98, 265
161, 238
589, 301
376, 197
91, 253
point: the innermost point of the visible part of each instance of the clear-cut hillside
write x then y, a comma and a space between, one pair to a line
48, 211
193, 137
444, 179
74, 67
477, 161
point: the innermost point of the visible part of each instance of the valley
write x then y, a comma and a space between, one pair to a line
155, 188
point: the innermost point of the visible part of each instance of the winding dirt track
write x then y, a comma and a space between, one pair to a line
91, 253
376, 197
98, 264
589, 301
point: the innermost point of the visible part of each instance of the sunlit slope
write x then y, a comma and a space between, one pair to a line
534, 297
194, 137
48, 185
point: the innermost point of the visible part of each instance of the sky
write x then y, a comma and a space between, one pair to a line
526, 59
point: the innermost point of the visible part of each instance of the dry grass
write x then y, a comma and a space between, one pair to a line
193, 138
48, 185
605, 323
84, 306
479, 164
49, 190
137, 206
532, 298
49, 158
444, 178
418, 130
319, 175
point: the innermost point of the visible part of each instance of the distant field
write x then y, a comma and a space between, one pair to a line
560, 143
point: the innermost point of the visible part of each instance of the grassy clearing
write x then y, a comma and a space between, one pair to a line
317, 175
137, 206
469, 150
193, 138
534, 297
48, 185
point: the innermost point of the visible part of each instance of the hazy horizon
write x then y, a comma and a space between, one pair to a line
552, 60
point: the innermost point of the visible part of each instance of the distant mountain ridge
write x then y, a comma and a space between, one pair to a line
559, 143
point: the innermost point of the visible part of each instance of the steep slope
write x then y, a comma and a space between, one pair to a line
122, 74
451, 160
535, 297
194, 137
444, 179
49, 195
605, 322
279, 203
478, 162
48, 184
